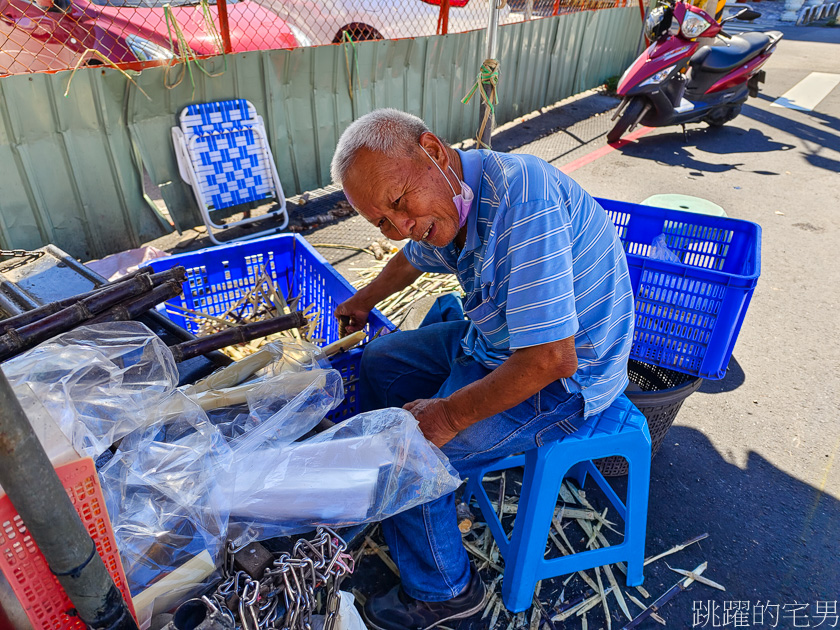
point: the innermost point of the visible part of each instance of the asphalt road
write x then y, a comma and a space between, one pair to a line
753, 459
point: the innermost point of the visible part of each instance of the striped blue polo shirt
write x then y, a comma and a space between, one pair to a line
542, 262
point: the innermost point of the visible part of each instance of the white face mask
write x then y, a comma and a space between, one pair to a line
463, 200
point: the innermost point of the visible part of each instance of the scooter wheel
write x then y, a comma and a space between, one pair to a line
722, 115
629, 116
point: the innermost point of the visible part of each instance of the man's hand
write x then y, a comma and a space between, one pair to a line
397, 275
356, 313
435, 420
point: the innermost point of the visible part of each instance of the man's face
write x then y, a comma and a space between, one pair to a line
405, 197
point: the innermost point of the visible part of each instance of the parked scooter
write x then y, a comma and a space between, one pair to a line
679, 80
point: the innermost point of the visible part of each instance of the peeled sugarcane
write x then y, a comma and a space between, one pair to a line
24, 319
134, 307
293, 384
232, 374
345, 343
17, 340
237, 334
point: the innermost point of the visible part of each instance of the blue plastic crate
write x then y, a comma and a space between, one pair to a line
217, 277
688, 314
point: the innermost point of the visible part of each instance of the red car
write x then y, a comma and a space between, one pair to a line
137, 30
21, 53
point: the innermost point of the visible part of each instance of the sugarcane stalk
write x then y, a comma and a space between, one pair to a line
233, 374
231, 396
24, 319
619, 596
676, 548
603, 598
697, 577
17, 340
664, 599
135, 307
237, 334
345, 343
199, 316
491, 601
497, 609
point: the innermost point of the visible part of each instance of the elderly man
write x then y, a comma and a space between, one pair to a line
545, 341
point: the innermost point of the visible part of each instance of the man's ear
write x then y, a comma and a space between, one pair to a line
435, 148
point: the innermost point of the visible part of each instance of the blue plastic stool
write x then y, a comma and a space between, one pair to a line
620, 430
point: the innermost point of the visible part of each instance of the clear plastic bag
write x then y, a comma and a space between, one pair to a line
182, 481
281, 409
165, 494
97, 382
659, 250
366, 468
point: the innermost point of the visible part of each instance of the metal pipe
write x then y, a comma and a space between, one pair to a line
15, 293
485, 114
644, 15
29, 479
7, 306
492, 30
224, 26
443, 18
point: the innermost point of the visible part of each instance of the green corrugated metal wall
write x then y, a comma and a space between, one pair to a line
69, 166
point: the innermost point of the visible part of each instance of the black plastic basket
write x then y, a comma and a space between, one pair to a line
658, 393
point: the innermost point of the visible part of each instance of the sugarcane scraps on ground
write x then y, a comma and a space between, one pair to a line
562, 602
396, 307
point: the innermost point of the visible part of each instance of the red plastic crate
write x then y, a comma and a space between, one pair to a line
38, 590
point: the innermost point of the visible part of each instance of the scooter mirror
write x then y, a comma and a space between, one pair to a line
747, 14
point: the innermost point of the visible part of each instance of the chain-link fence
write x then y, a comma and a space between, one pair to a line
50, 35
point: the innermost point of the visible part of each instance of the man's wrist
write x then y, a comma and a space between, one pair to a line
365, 298
457, 417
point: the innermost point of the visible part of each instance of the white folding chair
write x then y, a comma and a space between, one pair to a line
223, 154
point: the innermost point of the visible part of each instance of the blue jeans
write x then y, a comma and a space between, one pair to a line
425, 541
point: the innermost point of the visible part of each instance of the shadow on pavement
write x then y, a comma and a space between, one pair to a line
832, 122
771, 537
823, 139
820, 161
732, 380
676, 150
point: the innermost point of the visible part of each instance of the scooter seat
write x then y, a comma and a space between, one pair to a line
728, 54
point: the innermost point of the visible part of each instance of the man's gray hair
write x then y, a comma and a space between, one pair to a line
387, 131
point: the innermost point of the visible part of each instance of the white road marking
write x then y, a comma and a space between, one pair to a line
808, 93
